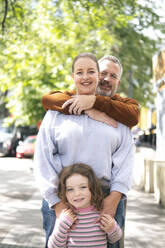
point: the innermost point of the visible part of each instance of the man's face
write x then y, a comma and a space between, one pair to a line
109, 78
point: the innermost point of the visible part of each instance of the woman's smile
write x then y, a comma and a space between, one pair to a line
85, 76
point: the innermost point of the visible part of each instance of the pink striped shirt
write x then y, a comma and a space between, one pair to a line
86, 232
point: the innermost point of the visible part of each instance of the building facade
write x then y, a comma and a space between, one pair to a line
159, 80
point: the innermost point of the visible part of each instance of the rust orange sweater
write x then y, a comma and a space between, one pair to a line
124, 110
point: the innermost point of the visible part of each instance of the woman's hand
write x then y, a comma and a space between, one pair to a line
78, 103
110, 203
59, 207
101, 116
107, 222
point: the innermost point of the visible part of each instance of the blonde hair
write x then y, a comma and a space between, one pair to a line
93, 183
85, 55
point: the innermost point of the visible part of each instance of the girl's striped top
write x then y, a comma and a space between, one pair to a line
85, 232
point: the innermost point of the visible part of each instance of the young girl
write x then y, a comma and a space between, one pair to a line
82, 224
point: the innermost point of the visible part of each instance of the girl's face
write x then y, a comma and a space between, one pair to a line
77, 191
85, 76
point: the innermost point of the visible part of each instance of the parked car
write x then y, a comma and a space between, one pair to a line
26, 147
6, 135
10, 137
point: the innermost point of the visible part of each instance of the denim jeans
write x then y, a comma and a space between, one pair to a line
49, 218
120, 218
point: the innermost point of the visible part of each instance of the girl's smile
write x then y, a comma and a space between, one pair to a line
77, 191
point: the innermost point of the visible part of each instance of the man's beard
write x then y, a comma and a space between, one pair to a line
104, 92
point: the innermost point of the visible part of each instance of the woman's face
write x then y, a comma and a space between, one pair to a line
85, 76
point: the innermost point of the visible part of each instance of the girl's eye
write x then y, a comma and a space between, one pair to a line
69, 190
83, 187
91, 72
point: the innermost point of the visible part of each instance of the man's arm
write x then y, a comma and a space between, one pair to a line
55, 99
124, 110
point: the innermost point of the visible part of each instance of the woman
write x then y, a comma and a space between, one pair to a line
68, 139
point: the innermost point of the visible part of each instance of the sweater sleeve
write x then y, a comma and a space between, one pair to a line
58, 238
124, 110
115, 234
55, 99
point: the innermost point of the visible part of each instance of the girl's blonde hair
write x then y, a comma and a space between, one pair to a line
94, 183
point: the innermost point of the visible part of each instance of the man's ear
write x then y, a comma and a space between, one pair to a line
118, 82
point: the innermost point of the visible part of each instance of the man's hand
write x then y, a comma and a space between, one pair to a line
59, 207
111, 202
101, 116
78, 103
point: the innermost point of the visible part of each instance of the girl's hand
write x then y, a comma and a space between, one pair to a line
107, 222
69, 213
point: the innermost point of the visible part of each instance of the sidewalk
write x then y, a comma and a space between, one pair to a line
20, 202
145, 221
21, 222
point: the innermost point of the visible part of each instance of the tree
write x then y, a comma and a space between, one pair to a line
38, 47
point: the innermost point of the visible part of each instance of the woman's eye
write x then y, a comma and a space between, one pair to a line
79, 73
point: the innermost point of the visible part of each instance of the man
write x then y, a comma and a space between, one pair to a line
124, 110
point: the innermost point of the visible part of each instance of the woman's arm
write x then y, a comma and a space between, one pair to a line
124, 110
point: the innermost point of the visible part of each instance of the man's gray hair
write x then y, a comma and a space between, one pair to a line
114, 60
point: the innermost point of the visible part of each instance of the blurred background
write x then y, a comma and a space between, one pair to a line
39, 39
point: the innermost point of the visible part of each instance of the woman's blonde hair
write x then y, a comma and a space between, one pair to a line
94, 183
85, 55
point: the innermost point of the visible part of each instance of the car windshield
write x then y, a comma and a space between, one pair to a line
6, 130
30, 140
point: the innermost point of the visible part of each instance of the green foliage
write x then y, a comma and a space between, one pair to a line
42, 37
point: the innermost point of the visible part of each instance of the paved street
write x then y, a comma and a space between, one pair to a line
20, 218
145, 221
